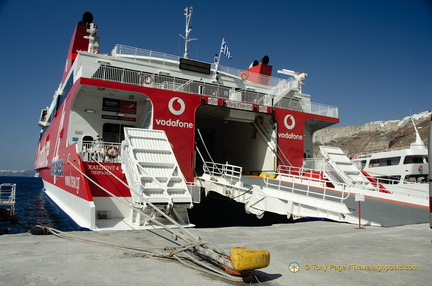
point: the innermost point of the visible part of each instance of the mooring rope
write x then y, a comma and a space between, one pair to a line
194, 244
169, 254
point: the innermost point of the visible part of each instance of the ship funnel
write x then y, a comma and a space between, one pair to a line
87, 18
254, 63
85, 29
265, 60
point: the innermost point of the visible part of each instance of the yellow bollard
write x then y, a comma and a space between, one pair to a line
244, 258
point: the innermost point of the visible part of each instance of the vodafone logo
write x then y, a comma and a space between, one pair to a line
180, 102
289, 122
176, 106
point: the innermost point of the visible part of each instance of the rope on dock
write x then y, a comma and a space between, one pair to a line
219, 262
187, 254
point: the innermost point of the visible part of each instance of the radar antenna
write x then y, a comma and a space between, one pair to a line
188, 14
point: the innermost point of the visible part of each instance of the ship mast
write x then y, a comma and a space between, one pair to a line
188, 14
418, 144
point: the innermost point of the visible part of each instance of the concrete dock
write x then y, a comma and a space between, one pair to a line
327, 253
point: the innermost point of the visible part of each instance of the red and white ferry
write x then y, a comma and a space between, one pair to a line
134, 128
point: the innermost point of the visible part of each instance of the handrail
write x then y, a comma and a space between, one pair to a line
309, 177
148, 55
100, 151
227, 171
7, 194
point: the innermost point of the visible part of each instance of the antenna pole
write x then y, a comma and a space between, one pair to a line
419, 142
188, 14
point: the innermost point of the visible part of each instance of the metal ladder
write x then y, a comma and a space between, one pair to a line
7, 197
154, 176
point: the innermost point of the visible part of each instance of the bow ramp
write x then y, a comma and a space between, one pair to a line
154, 177
294, 194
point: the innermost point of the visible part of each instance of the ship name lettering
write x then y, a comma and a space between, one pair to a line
97, 167
239, 105
99, 172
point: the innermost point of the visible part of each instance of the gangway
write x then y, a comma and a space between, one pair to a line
340, 169
154, 176
291, 195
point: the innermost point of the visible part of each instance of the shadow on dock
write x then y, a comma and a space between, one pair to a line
218, 211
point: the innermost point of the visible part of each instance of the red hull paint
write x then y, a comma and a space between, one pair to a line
104, 178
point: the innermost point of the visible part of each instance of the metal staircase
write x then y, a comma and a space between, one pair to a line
153, 175
286, 88
340, 169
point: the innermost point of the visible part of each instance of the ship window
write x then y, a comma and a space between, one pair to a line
87, 139
391, 161
373, 163
113, 132
422, 178
415, 159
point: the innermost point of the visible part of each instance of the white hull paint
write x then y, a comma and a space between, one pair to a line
79, 210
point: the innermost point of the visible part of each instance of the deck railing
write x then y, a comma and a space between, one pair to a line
227, 171
7, 196
100, 151
136, 77
313, 179
167, 59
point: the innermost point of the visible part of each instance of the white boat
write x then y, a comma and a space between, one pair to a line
403, 171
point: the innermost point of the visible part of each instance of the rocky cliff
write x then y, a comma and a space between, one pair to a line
375, 136
22, 173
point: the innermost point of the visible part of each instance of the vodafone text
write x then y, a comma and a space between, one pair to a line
174, 123
290, 136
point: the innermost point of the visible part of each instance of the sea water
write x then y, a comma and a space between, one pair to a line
32, 206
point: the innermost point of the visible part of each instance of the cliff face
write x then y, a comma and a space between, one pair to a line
375, 136
22, 173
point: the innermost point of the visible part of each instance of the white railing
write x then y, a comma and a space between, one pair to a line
7, 196
313, 170
100, 151
303, 173
7, 193
325, 110
152, 56
313, 180
229, 172
143, 54
132, 177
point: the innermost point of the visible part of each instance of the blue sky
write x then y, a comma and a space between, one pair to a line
371, 58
